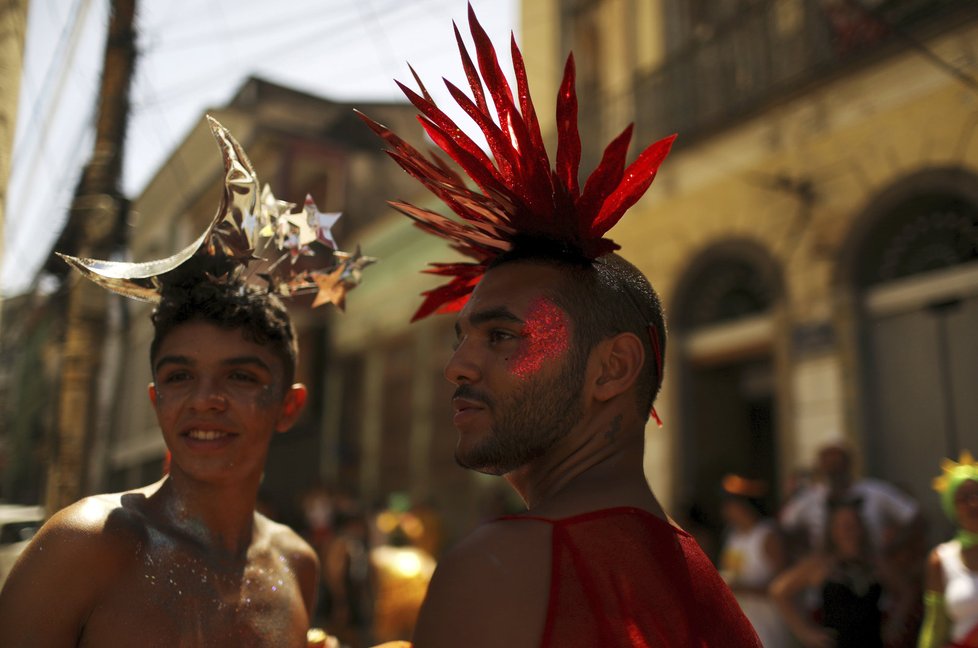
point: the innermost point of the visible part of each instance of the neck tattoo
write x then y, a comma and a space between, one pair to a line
611, 434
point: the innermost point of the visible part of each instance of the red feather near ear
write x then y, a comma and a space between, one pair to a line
521, 194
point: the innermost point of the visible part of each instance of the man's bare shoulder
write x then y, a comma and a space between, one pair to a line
76, 554
511, 541
106, 516
96, 527
288, 545
283, 538
492, 589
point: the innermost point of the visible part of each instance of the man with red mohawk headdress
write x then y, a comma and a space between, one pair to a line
558, 359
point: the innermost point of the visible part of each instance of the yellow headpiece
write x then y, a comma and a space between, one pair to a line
954, 473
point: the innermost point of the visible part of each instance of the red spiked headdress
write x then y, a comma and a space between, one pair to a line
521, 196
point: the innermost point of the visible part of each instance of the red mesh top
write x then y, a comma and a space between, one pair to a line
622, 577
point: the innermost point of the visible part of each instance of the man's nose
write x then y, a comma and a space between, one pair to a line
209, 394
462, 366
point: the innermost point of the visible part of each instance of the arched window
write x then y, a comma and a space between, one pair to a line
925, 233
723, 327
914, 266
725, 289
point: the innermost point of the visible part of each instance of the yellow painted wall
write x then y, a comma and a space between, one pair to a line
852, 138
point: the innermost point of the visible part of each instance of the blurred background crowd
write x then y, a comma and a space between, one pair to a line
376, 559
839, 563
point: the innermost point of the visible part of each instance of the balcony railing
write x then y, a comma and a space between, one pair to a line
774, 48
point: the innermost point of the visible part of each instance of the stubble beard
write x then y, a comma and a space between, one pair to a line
528, 424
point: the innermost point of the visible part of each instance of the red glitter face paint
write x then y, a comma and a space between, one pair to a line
545, 337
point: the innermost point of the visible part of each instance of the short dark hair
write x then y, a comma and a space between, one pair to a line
603, 297
207, 289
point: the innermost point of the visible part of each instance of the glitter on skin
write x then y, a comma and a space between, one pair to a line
545, 337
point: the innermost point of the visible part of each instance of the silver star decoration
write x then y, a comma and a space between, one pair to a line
322, 223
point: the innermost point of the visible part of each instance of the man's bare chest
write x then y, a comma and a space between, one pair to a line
170, 599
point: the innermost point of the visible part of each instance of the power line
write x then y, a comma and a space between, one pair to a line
57, 64
178, 169
382, 44
279, 49
313, 7
22, 186
239, 32
20, 255
274, 52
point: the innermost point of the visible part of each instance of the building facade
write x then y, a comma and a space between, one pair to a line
814, 233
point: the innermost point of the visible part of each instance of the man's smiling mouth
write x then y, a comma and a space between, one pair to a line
206, 435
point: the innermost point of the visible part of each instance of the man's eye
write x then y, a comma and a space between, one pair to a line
176, 377
498, 335
243, 376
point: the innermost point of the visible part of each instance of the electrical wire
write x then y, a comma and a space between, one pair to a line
276, 51
269, 53
24, 256
246, 31
22, 187
75, 23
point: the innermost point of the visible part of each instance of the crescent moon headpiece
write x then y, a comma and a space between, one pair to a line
252, 232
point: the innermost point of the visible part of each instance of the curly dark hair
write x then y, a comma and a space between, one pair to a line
207, 289
604, 297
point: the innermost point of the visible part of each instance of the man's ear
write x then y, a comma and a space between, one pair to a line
292, 404
153, 396
620, 360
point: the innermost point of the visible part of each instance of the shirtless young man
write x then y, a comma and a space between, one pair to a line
558, 361
186, 561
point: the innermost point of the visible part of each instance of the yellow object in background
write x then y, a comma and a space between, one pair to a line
402, 576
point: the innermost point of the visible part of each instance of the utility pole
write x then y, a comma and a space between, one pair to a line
13, 25
97, 217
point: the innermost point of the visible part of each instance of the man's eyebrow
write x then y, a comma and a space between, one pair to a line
489, 315
235, 361
499, 313
247, 360
172, 359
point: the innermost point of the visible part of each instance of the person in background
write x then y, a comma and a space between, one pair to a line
753, 554
317, 529
797, 543
892, 518
350, 579
853, 587
951, 581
